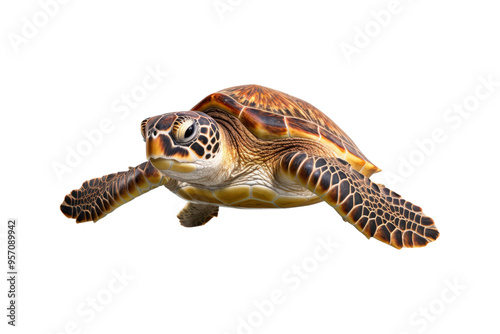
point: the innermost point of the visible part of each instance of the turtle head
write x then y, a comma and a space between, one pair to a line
186, 146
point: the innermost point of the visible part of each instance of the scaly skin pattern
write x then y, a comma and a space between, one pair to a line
205, 146
100, 196
373, 209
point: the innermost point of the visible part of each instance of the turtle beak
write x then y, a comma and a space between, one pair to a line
155, 147
155, 151
164, 158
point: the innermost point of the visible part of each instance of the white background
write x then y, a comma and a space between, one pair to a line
65, 78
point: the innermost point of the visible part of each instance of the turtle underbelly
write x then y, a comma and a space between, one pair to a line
245, 196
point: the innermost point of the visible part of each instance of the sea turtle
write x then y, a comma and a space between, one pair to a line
255, 147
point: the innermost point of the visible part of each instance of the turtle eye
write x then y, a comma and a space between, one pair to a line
189, 131
184, 130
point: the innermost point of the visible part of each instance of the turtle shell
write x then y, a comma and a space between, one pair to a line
271, 114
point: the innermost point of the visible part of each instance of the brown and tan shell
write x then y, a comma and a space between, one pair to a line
271, 114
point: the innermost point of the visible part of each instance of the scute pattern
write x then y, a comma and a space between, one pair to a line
243, 196
100, 196
280, 103
270, 114
373, 209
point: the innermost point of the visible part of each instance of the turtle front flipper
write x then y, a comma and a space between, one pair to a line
194, 214
373, 209
100, 196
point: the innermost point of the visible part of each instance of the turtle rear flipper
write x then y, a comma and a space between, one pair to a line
100, 196
374, 210
194, 214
